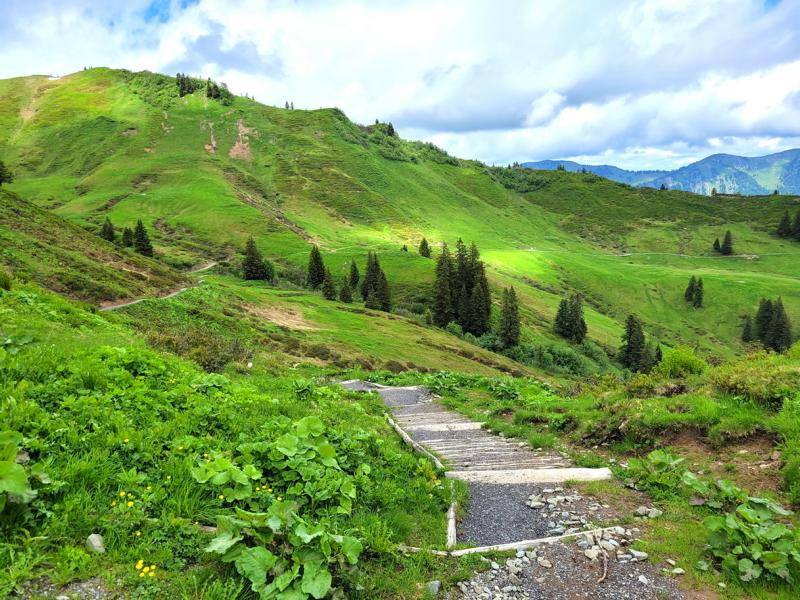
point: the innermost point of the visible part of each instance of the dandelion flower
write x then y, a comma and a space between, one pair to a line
146, 570
258, 488
138, 533
130, 495
122, 494
125, 441
221, 497
180, 447
152, 567
130, 503
150, 574
141, 574
280, 498
169, 477
113, 503
139, 566
205, 454
149, 488
269, 491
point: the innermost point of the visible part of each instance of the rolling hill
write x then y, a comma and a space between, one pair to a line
726, 173
204, 176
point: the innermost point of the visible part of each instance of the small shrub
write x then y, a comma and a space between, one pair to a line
642, 385
681, 361
766, 379
454, 328
5, 281
659, 473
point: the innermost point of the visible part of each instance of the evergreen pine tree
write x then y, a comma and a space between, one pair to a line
716, 245
561, 323
484, 309
658, 355
354, 275
107, 231
404, 248
345, 291
370, 281
372, 301
253, 264
316, 269
688, 295
763, 318
779, 333
648, 360
747, 330
127, 237
382, 292
727, 244
630, 353
5, 174
141, 241
796, 227
442, 295
509, 319
697, 299
328, 287
461, 282
424, 248
578, 327
785, 226
463, 309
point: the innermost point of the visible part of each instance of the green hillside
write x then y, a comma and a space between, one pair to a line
204, 176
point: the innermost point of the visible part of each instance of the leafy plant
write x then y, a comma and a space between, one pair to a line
14, 485
657, 473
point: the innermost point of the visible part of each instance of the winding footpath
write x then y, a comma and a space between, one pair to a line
517, 498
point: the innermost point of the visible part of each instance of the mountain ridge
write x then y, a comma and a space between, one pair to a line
725, 173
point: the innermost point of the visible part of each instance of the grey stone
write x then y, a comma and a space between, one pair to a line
94, 543
638, 555
433, 587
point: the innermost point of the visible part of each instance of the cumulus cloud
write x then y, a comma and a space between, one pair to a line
647, 81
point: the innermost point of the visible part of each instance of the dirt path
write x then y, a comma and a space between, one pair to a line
123, 304
520, 494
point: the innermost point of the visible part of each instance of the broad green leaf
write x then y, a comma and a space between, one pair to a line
351, 548
775, 531
254, 563
9, 440
312, 426
348, 488
293, 593
748, 570
287, 444
306, 533
251, 471
13, 479
223, 542
316, 579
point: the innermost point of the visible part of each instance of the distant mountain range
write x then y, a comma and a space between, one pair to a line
726, 173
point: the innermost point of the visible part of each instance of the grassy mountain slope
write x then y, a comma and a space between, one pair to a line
204, 176
41, 246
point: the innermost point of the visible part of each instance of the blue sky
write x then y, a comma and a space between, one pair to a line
640, 84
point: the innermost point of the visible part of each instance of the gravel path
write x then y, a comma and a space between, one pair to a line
516, 494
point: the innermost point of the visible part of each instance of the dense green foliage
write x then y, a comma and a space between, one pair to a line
315, 273
253, 264
569, 322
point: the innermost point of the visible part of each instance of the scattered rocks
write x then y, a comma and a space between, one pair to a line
94, 543
433, 587
647, 513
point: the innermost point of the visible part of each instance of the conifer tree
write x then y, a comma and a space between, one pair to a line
697, 299
354, 275
763, 318
5, 174
483, 308
372, 300
630, 353
141, 241
127, 237
779, 333
785, 226
328, 287
424, 248
509, 319
382, 292
561, 323
648, 360
796, 227
316, 269
688, 295
659, 355
747, 330
716, 245
107, 231
370, 281
727, 244
443, 311
345, 291
578, 327
253, 264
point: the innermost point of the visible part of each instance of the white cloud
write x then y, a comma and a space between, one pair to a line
655, 80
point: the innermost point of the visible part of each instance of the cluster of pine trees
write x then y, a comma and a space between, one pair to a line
789, 228
726, 247
218, 92
136, 238
569, 322
771, 326
694, 293
424, 248
254, 266
635, 353
374, 288
460, 291
186, 84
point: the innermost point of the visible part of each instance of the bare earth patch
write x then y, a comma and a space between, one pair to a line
284, 317
241, 149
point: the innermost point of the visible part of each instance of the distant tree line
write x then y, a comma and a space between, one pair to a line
374, 289
217, 91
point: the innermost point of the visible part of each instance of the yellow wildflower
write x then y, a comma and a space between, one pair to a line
280, 498
152, 567
150, 574
269, 490
138, 533
113, 503
122, 494
149, 488
141, 574
146, 570
258, 488
169, 477
221, 497
130, 495
125, 441
130, 503
139, 566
